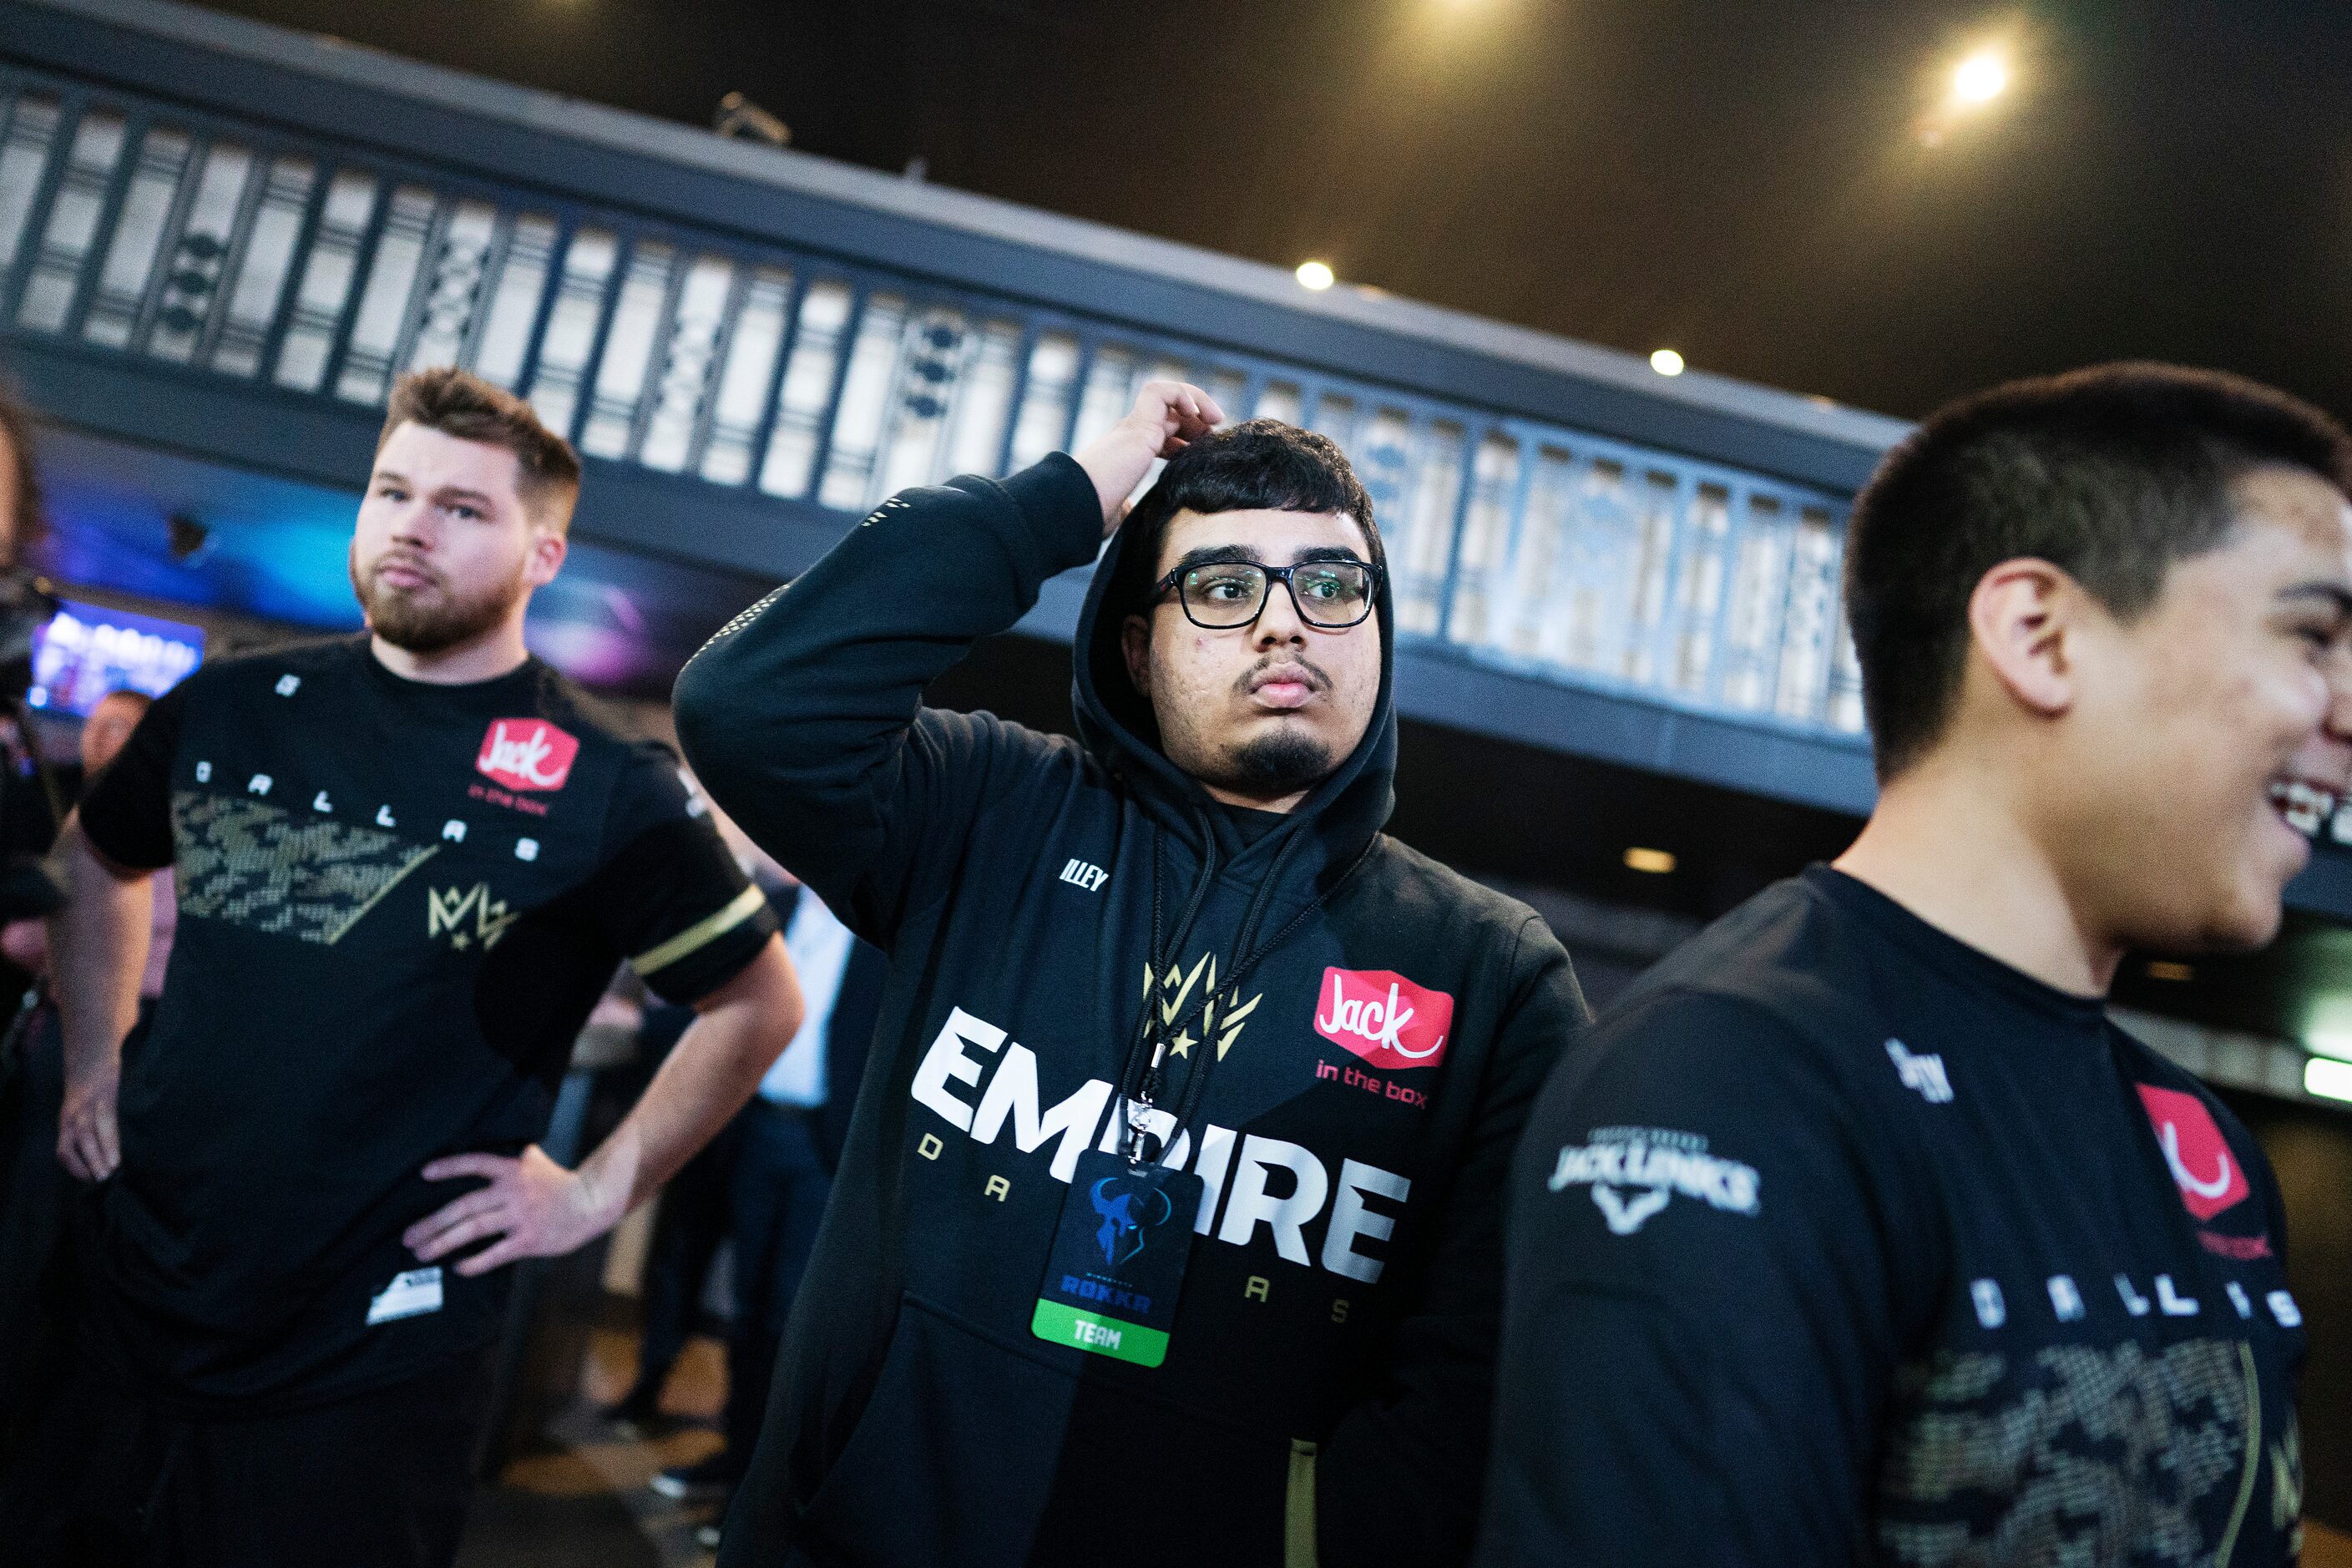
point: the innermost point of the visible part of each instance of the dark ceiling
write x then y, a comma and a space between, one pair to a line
1746, 183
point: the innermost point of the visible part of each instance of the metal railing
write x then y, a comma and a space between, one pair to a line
147, 230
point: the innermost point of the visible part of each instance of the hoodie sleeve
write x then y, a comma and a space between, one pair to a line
804, 719
1399, 1478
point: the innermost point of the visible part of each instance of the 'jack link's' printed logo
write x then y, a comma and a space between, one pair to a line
252, 864
1635, 1172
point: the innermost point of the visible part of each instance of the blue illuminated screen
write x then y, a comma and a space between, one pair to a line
86, 652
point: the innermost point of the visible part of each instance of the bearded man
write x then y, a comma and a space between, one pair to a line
407, 864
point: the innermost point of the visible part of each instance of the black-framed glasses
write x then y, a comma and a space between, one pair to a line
1224, 595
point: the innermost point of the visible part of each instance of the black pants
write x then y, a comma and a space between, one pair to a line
377, 1480
35, 1283
690, 1223
781, 1187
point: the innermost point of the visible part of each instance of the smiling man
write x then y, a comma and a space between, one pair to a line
407, 863
1859, 1233
1168, 1230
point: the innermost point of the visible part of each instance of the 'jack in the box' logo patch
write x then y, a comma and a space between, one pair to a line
2203, 1168
1383, 1018
527, 753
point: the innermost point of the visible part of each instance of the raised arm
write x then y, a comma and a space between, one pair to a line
97, 947
804, 717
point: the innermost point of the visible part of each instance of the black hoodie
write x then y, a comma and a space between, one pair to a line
1327, 1382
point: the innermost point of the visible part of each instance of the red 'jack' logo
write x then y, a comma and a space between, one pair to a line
2202, 1166
527, 753
1383, 1018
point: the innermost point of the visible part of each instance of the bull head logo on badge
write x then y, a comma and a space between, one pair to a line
1126, 1215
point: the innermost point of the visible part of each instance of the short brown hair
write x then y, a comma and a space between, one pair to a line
460, 403
2111, 474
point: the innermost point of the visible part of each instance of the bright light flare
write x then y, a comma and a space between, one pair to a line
2328, 1080
1660, 862
1315, 275
1665, 362
1981, 77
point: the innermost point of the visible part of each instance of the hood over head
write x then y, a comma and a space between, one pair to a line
1342, 812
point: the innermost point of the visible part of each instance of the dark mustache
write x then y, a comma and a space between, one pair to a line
1316, 680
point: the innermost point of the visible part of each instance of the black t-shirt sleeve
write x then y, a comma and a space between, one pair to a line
1701, 1317
126, 811
669, 895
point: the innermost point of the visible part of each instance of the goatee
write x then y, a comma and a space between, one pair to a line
1282, 764
434, 619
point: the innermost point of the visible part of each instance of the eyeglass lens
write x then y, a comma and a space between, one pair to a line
1331, 594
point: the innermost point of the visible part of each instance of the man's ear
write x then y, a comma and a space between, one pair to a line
549, 546
2024, 619
1135, 643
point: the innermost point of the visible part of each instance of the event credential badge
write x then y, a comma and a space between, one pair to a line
1118, 1259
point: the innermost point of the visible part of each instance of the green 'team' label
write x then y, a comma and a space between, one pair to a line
1057, 1324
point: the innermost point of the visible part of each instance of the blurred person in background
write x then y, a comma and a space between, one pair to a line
27, 942
786, 1144
408, 863
31, 1074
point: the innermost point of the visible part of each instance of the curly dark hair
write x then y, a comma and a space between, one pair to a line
1263, 465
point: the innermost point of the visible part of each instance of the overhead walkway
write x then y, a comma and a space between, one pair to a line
227, 238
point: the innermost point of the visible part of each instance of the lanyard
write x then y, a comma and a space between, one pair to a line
1141, 1080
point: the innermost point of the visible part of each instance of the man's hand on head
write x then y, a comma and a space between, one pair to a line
1167, 416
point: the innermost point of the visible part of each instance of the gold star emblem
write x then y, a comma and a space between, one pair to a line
458, 939
1181, 1045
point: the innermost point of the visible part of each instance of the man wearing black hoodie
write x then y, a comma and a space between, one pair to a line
1168, 1231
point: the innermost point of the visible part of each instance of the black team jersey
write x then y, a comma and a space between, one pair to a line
398, 903
1843, 1243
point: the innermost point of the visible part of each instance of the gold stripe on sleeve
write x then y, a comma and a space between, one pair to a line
740, 908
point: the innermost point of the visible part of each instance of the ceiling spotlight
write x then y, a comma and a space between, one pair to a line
1315, 275
1656, 862
1981, 77
1665, 362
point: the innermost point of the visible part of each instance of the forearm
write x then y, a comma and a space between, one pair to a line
715, 1068
790, 715
98, 950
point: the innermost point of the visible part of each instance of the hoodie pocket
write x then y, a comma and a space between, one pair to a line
971, 1453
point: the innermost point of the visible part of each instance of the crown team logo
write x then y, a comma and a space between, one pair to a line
1383, 1018
2203, 1168
527, 753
